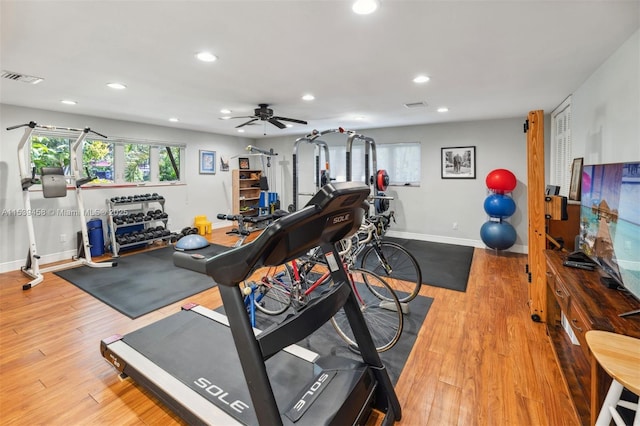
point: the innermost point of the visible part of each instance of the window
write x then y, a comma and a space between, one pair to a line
402, 161
338, 155
169, 163
97, 157
136, 158
50, 151
110, 161
560, 157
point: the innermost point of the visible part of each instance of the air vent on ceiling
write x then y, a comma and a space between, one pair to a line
9, 75
415, 105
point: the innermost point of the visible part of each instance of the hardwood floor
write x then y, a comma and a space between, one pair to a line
479, 358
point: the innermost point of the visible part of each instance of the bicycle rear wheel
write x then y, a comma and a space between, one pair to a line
397, 266
381, 310
274, 292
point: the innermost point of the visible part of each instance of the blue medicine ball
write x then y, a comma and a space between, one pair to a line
498, 235
191, 242
499, 205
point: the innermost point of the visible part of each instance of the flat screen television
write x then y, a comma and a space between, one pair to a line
610, 222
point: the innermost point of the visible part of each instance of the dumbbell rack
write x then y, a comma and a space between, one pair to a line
133, 211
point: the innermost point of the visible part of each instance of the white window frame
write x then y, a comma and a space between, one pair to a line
119, 159
561, 156
357, 162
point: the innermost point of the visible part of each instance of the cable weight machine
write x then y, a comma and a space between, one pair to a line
378, 182
321, 176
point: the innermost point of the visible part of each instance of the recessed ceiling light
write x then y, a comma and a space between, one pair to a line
443, 109
365, 7
68, 102
206, 57
224, 118
118, 86
289, 125
359, 117
240, 130
173, 120
421, 79
308, 97
225, 111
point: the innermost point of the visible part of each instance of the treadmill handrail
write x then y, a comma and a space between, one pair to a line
335, 212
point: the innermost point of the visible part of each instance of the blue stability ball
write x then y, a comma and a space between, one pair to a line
499, 205
498, 235
191, 242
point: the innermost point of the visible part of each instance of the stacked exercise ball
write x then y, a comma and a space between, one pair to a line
497, 233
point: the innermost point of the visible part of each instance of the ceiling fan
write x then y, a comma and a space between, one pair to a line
264, 113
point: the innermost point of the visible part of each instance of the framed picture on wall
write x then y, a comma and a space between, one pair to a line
458, 162
207, 162
224, 163
243, 163
576, 179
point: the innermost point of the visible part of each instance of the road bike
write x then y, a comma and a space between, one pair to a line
296, 283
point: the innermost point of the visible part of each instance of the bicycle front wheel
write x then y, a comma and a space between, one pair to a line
383, 315
397, 266
274, 292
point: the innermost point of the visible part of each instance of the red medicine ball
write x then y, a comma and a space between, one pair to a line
501, 181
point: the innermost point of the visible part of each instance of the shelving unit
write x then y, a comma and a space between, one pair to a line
587, 304
246, 191
133, 221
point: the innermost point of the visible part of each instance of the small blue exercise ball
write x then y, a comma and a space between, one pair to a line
498, 235
499, 205
191, 242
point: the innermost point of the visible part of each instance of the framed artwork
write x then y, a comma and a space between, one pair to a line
207, 162
576, 179
243, 163
224, 164
458, 162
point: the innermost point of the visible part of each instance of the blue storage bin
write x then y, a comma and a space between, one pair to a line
96, 237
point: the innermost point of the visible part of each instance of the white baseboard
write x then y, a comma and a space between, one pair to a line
47, 258
452, 240
67, 255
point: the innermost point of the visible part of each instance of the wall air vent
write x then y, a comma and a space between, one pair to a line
16, 76
412, 105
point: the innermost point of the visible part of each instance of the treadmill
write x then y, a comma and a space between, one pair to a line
215, 369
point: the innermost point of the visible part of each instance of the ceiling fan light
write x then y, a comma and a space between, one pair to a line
365, 7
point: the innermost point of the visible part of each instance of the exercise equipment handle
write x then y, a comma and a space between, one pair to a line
88, 130
31, 124
222, 216
83, 181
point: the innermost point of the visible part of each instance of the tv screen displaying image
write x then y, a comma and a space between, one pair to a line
610, 220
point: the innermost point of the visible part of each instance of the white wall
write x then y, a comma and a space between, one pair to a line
606, 128
203, 194
606, 109
428, 212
